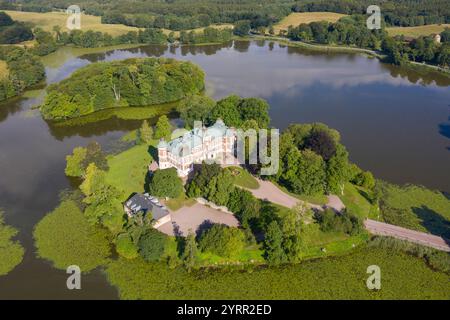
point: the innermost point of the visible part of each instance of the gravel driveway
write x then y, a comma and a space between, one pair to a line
191, 218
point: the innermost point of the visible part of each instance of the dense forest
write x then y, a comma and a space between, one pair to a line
12, 32
403, 13
132, 82
23, 70
187, 14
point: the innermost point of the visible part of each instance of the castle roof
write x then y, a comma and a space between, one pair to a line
183, 146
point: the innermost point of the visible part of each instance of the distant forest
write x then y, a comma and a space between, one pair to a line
188, 14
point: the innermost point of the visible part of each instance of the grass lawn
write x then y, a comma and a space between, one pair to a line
128, 169
418, 31
315, 199
356, 203
3, 69
296, 18
243, 178
417, 208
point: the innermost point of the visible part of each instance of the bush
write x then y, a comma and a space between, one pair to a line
345, 222
125, 247
222, 240
152, 245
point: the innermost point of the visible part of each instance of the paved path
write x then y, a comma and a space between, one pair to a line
429, 240
269, 191
193, 217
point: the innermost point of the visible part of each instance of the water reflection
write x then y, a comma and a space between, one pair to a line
393, 120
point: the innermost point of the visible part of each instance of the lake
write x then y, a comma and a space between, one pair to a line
394, 121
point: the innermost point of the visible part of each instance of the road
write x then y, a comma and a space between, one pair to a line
429, 240
270, 192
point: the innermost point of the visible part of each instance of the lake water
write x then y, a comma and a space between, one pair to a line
393, 121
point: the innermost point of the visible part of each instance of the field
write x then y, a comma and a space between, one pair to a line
297, 18
403, 277
47, 20
3, 69
417, 31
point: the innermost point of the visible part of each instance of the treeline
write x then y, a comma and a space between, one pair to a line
131, 82
12, 32
174, 15
207, 35
352, 31
24, 70
347, 31
404, 13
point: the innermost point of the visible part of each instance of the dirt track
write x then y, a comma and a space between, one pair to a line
384, 229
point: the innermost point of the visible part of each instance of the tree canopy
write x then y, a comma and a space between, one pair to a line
165, 183
125, 83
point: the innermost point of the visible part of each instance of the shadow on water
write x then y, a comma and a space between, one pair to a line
104, 121
434, 222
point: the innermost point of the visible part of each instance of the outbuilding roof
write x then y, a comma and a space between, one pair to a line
146, 203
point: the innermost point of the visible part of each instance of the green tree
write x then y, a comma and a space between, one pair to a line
74, 163
166, 183
222, 240
190, 251
241, 28
196, 108
152, 245
146, 132
125, 247
273, 244
95, 154
102, 200
163, 128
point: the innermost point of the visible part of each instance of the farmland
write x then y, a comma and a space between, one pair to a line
417, 31
294, 19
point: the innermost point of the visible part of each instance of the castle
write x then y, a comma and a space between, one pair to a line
215, 143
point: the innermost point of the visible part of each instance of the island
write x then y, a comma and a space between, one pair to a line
119, 84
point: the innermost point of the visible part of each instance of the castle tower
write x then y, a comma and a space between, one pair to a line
162, 154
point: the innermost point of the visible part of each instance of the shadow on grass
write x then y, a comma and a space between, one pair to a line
433, 221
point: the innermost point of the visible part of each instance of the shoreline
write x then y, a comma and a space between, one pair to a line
344, 49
